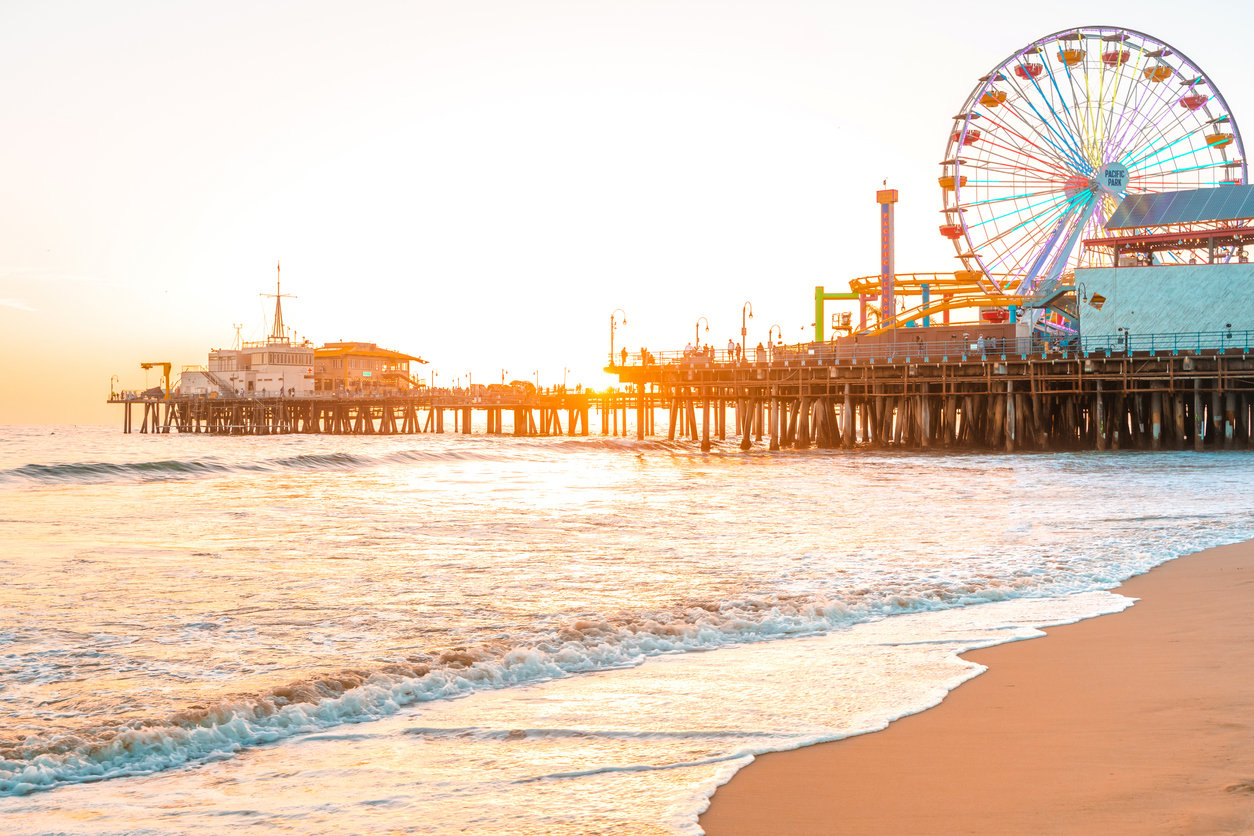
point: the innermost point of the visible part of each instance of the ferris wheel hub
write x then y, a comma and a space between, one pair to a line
1113, 179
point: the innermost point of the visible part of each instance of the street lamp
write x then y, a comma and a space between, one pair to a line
113, 380
771, 343
537, 374
697, 344
744, 329
613, 326
503, 373
565, 371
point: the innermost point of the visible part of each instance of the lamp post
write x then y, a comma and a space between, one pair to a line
771, 343
537, 374
113, 380
503, 373
700, 319
565, 371
613, 327
744, 329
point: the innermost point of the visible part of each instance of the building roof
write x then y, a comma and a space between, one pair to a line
362, 350
1224, 203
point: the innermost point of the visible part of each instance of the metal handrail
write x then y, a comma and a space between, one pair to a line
919, 349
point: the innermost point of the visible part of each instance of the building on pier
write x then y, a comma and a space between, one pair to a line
363, 367
1181, 277
263, 368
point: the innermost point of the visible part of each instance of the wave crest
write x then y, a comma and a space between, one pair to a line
207, 732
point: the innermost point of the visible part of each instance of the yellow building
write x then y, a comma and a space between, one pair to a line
362, 367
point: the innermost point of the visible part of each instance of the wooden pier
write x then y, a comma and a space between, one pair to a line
802, 398
400, 414
988, 400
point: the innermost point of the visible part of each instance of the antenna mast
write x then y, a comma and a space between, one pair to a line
278, 332
239, 340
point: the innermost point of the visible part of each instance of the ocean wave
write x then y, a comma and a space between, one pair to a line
211, 731
157, 470
112, 471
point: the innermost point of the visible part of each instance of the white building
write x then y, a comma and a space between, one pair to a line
271, 367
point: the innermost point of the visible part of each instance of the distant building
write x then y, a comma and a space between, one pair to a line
362, 367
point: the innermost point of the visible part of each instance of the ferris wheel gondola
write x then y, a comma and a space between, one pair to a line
1056, 135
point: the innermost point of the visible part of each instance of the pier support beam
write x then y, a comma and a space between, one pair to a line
1099, 419
1156, 421
1199, 416
774, 445
705, 420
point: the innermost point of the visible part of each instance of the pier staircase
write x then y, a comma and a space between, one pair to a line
224, 387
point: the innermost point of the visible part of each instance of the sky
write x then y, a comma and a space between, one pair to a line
478, 183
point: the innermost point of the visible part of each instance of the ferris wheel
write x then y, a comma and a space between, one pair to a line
1050, 141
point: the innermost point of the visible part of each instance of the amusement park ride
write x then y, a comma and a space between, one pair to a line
1045, 148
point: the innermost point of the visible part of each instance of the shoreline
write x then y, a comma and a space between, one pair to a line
1134, 722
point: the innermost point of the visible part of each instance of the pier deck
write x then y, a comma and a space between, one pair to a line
806, 397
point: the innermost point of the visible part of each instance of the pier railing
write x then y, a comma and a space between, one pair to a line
920, 349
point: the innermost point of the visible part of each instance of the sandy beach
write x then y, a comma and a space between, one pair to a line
1139, 722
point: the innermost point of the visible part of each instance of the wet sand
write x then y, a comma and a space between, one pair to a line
1138, 722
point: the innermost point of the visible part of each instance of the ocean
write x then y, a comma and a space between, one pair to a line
447, 634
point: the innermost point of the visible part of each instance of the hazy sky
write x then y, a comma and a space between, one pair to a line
478, 183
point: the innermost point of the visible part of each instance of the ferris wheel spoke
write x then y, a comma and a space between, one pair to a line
1065, 141
1166, 131
1139, 119
1148, 157
1123, 111
1006, 244
993, 200
1152, 122
1078, 87
1051, 201
1186, 153
1016, 169
1070, 154
1056, 163
1169, 134
1022, 244
1124, 88
1074, 129
1222, 164
1030, 176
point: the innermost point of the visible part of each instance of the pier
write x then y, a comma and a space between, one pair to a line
1173, 394
1166, 392
522, 414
